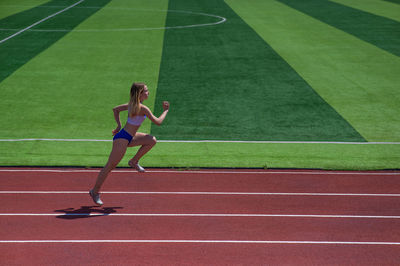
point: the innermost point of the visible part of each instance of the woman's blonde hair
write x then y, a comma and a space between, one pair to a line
134, 102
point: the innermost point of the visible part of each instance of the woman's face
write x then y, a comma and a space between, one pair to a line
145, 94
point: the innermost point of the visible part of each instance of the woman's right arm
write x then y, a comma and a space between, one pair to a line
117, 110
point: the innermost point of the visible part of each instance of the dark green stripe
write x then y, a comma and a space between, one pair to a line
225, 83
393, 1
17, 51
379, 31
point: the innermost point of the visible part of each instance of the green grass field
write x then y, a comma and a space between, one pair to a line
257, 83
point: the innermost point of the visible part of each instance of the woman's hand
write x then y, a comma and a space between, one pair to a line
166, 105
115, 131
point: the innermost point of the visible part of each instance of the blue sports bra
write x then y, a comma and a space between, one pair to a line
136, 120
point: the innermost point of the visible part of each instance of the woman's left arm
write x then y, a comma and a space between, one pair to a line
156, 120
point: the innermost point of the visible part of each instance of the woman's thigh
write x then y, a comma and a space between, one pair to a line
142, 139
118, 151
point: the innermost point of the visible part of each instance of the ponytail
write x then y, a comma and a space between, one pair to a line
134, 102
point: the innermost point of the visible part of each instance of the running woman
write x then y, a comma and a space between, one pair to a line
129, 135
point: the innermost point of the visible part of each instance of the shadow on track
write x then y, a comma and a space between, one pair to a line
86, 212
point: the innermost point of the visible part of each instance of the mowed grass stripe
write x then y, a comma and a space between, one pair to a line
377, 7
19, 50
10, 7
192, 155
225, 83
69, 89
377, 30
358, 79
15, 22
393, 1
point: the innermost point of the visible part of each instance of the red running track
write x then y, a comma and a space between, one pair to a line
351, 218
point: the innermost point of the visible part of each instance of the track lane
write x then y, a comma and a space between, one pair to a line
198, 254
183, 203
200, 228
249, 181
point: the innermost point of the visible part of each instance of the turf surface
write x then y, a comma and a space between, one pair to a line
376, 7
226, 83
193, 155
377, 30
9, 7
393, 1
356, 78
34, 42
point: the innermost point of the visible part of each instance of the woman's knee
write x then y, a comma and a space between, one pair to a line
153, 141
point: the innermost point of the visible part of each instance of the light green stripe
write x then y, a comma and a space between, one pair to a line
11, 7
321, 156
377, 7
356, 78
82, 76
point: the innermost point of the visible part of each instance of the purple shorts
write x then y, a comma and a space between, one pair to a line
123, 135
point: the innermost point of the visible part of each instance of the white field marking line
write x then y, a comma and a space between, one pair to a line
207, 193
202, 242
211, 141
279, 142
206, 172
207, 215
221, 20
40, 21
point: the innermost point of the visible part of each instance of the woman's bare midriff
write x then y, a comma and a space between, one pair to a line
131, 129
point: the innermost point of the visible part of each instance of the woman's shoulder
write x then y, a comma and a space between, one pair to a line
144, 109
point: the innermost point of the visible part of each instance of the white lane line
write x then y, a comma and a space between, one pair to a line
294, 172
40, 21
202, 242
207, 215
212, 141
208, 193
